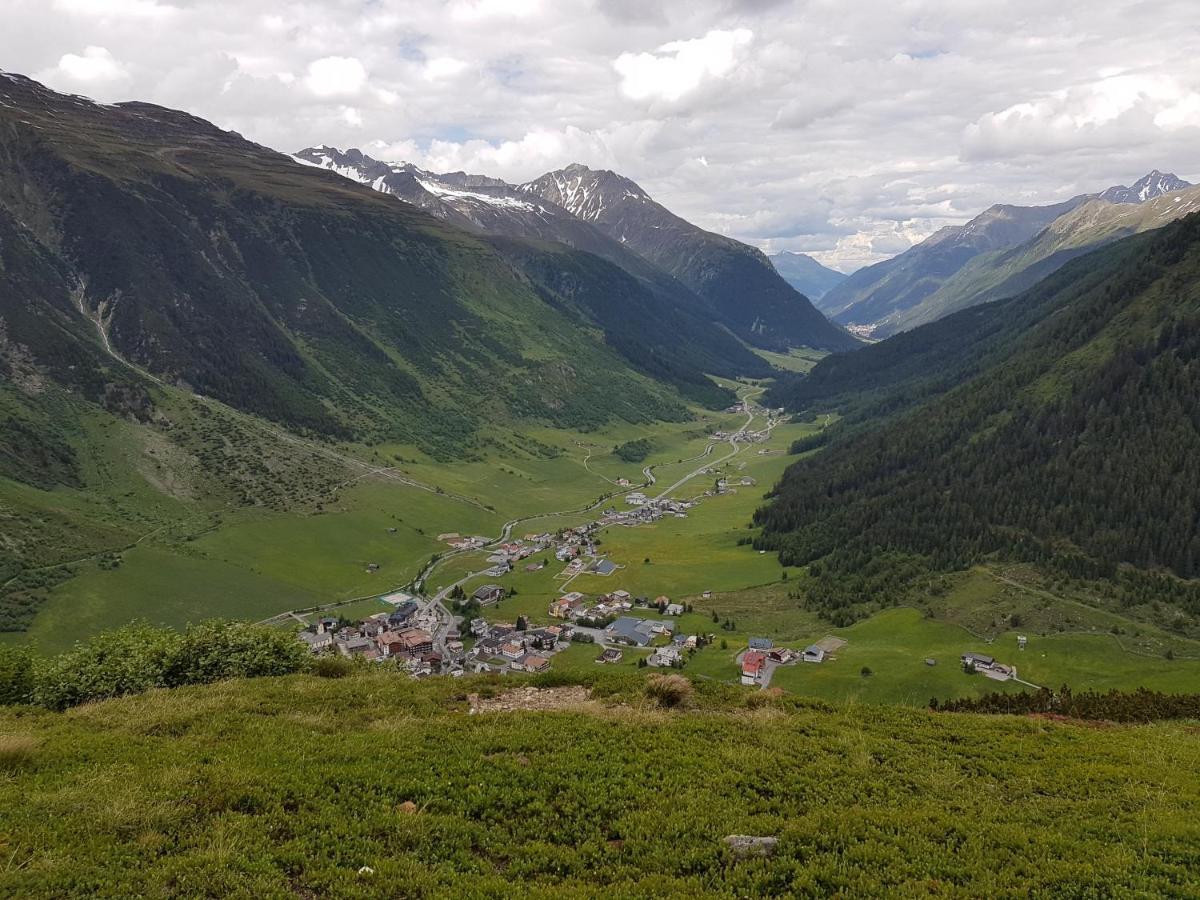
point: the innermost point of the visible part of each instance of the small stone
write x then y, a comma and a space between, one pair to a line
365, 871
744, 845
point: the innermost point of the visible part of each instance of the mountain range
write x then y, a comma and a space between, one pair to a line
998, 253
805, 274
610, 216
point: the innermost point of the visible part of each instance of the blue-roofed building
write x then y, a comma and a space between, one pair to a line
638, 632
761, 643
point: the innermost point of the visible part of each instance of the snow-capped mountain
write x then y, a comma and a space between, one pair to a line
750, 297
587, 194
604, 213
1149, 186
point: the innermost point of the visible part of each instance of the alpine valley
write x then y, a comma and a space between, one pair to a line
371, 531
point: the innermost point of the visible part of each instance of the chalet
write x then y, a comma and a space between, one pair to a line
635, 498
665, 656
610, 655
752, 666
488, 594
532, 663
674, 609
761, 643
488, 646
479, 627
565, 605
511, 650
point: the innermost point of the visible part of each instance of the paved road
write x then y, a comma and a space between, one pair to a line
736, 448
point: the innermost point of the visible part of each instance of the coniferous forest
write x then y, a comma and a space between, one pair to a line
1061, 426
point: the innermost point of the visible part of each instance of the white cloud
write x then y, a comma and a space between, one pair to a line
443, 67
1114, 111
473, 10
336, 76
115, 9
95, 67
679, 67
515, 160
846, 129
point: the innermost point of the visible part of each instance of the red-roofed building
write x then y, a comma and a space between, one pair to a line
752, 666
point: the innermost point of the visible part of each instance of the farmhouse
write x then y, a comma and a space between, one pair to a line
813, 654
978, 660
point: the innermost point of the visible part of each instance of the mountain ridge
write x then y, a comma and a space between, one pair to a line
909, 289
806, 275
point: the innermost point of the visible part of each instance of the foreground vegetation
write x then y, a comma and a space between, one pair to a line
378, 786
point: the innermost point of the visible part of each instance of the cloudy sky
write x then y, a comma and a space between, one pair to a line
845, 129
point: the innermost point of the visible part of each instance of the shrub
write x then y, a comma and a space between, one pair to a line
758, 699
16, 675
669, 691
332, 667
125, 661
215, 650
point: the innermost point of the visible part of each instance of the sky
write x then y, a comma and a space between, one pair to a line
848, 130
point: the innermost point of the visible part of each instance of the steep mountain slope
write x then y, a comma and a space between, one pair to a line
286, 292
876, 295
806, 275
1062, 425
665, 313
742, 286
1003, 273
961, 265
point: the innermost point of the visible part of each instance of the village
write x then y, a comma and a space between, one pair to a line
454, 632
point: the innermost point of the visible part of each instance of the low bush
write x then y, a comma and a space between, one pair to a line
332, 667
669, 691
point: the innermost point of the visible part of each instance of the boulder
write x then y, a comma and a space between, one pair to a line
744, 845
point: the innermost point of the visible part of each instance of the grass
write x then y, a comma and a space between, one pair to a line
894, 645
800, 359
255, 789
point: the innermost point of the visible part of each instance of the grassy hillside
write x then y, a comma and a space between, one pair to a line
254, 787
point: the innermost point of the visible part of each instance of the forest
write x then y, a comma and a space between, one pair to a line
1070, 437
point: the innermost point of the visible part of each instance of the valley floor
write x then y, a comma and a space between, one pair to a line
376, 534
